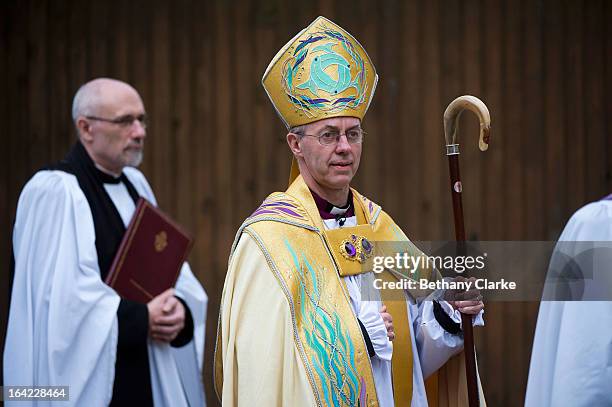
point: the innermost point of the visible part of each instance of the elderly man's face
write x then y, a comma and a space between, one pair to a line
115, 145
332, 166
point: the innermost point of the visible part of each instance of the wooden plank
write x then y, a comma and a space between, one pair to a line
527, 62
574, 118
280, 155
209, 270
346, 13
410, 123
554, 129
98, 38
391, 143
78, 71
533, 130
6, 224
451, 76
60, 131
595, 100
15, 123
473, 164
473, 161
369, 174
493, 229
140, 48
488, 361
512, 144
181, 96
266, 46
160, 143
223, 143
515, 350
18, 167
494, 158
38, 96
326, 8
534, 151
118, 44
608, 106
434, 165
529, 317
246, 80
202, 181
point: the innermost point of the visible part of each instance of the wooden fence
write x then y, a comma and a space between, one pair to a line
215, 147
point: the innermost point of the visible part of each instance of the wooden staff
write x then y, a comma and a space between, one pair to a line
451, 124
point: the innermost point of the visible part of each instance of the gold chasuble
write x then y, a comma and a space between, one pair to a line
287, 334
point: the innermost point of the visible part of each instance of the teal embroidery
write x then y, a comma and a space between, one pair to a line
334, 355
323, 89
321, 80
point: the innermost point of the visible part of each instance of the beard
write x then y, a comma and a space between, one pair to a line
134, 158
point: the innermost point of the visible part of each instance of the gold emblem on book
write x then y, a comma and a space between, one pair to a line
161, 241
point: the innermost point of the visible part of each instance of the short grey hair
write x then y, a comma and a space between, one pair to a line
299, 130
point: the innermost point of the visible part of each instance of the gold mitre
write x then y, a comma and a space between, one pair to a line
322, 72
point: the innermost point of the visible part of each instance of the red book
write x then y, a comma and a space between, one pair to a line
150, 256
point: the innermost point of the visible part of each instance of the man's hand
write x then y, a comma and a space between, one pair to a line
467, 302
388, 320
166, 316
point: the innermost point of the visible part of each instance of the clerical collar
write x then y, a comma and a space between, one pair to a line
328, 210
105, 177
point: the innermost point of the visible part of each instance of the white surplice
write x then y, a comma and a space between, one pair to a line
63, 328
571, 360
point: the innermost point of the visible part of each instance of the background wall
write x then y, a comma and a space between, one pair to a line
215, 147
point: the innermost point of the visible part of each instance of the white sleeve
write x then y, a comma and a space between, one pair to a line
571, 363
434, 343
62, 327
368, 312
371, 319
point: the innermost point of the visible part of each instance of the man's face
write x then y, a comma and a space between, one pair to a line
332, 166
119, 144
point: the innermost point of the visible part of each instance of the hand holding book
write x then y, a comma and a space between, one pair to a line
166, 316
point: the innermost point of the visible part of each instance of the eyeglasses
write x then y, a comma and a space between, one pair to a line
122, 121
332, 137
